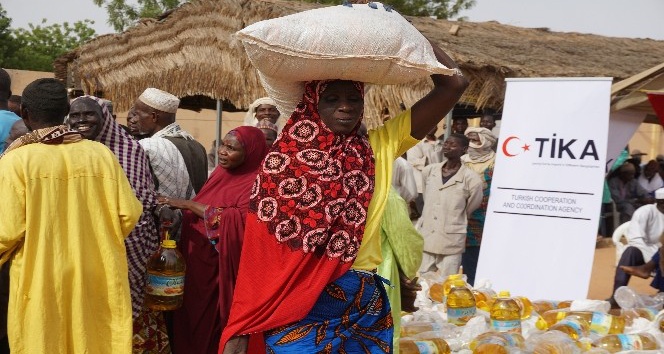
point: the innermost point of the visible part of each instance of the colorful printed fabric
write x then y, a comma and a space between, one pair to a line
306, 219
60, 134
352, 315
477, 218
143, 240
212, 218
481, 159
314, 189
150, 334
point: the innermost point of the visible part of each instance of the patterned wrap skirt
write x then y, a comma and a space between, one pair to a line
150, 333
351, 315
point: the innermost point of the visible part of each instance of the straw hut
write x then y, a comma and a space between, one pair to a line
189, 51
631, 93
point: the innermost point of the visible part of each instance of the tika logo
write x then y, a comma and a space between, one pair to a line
554, 147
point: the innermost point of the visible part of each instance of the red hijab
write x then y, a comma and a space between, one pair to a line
219, 188
306, 219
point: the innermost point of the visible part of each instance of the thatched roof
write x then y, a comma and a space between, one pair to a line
489, 52
189, 52
631, 93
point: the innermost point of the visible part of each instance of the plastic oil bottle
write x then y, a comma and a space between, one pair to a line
525, 305
438, 291
659, 320
164, 289
484, 298
505, 314
412, 328
640, 312
460, 303
614, 343
496, 343
574, 326
423, 346
541, 306
555, 342
600, 323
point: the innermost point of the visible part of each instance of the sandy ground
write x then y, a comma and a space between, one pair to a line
604, 266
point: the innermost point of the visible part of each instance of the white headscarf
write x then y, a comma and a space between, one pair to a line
250, 117
481, 155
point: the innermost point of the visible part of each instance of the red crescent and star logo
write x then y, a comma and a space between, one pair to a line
515, 150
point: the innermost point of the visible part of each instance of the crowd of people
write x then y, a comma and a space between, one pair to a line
289, 225
289, 230
637, 191
286, 234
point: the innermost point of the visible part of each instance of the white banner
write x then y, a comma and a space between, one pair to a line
546, 194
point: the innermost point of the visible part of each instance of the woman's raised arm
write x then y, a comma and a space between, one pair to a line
432, 108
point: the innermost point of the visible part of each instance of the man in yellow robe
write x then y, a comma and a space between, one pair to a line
66, 208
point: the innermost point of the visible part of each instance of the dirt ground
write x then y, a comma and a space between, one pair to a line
604, 266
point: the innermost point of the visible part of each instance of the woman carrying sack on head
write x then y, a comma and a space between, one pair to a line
312, 243
306, 271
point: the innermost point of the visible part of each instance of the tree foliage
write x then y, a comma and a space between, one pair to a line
7, 43
35, 48
39, 45
122, 15
441, 9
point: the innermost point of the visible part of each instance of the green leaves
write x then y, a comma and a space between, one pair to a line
441, 9
35, 48
7, 44
122, 15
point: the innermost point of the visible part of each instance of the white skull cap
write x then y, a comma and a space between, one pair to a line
659, 194
160, 100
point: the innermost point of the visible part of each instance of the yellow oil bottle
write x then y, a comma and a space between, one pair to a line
505, 314
461, 305
423, 346
614, 343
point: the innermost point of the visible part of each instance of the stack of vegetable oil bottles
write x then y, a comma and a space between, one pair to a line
478, 321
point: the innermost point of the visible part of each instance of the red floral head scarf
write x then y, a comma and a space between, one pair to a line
314, 187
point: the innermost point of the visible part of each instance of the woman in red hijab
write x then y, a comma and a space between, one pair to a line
212, 235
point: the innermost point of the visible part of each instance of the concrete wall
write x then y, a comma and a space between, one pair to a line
21, 78
649, 138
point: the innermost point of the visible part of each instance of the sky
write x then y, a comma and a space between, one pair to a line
617, 18
614, 18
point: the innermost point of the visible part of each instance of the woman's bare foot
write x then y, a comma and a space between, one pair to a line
642, 271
